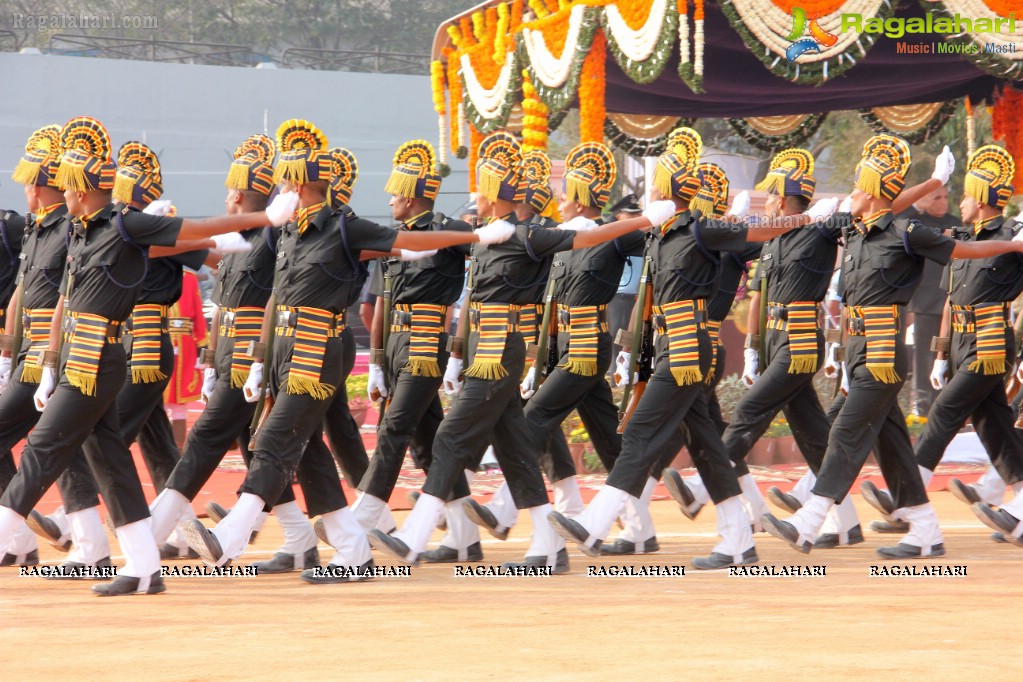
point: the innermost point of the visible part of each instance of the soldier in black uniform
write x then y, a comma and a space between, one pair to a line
108, 252
489, 405
244, 282
684, 256
882, 264
982, 345
585, 282
40, 243
318, 266
408, 371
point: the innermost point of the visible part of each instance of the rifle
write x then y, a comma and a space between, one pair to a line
262, 404
385, 334
546, 352
641, 357
261, 416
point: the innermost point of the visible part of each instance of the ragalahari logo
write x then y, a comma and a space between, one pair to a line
802, 45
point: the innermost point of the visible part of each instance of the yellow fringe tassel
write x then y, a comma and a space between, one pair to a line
402, 184
237, 177
989, 367
882, 373
26, 172
31, 375
773, 183
489, 185
488, 370
301, 385
142, 375
123, 188
70, 176
704, 206
423, 367
84, 383
239, 377
577, 191
687, 376
803, 365
586, 368
869, 180
294, 171
975, 188
662, 181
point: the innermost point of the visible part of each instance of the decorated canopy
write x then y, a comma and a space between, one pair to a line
637, 68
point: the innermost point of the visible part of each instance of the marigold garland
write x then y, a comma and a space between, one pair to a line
539, 8
454, 95
534, 118
437, 87
591, 91
1005, 126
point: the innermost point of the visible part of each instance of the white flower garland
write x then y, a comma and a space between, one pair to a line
461, 124
637, 44
683, 39
698, 48
551, 71
488, 102
442, 140
770, 25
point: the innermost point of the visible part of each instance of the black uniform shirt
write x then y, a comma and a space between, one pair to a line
733, 267
437, 279
685, 259
884, 267
590, 276
799, 264
320, 268
43, 258
930, 295
245, 280
108, 270
512, 271
12, 233
985, 280
540, 290
163, 281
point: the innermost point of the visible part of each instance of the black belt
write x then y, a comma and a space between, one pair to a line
113, 330
699, 317
777, 312
565, 316
226, 318
513, 316
288, 318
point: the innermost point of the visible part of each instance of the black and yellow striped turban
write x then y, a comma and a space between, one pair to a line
252, 168
344, 171
86, 164
138, 178
303, 157
677, 175
415, 172
712, 199
790, 175
39, 164
499, 169
882, 171
590, 172
989, 174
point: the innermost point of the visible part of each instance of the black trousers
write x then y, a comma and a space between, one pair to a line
980, 397
654, 430
225, 418
414, 413
18, 415
564, 391
776, 390
284, 436
869, 415
925, 327
71, 421
138, 405
489, 411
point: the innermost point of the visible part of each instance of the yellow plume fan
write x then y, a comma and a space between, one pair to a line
42, 145
714, 191
989, 174
687, 144
416, 153
502, 146
412, 161
138, 155
260, 147
88, 136
344, 171
536, 166
894, 151
297, 134
590, 173
86, 164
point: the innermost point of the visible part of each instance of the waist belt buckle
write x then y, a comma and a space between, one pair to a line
564, 316
68, 325
659, 322
284, 318
401, 318
855, 325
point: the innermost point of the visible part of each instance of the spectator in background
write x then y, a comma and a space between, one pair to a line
928, 300
188, 334
620, 309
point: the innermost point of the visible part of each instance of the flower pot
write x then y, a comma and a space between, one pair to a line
359, 413
762, 452
577, 450
787, 451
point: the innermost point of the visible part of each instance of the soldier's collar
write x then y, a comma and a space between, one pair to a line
96, 216
991, 224
680, 219
876, 221
49, 215
422, 220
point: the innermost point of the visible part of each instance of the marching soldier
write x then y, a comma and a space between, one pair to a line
106, 260
881, 267
408, 371
318, 266
684, 256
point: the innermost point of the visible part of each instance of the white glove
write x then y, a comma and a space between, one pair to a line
453, 377
831, 364
406, 254
1019, 373
750, 366
844, 387
230, 242
159, 207
660, 212
621, 375
846, 205
5, 372
578, 224
47, 383
740, 205
496, 232
526, 389
282, 208
939, 374
822, 209
209, 380
1019, 218
944, 164
376, 388
254, 383
1019, 237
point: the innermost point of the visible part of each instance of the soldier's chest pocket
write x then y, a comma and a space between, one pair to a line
50, 262
559, 268
596, 266
333, 263
1002, 270
892, 270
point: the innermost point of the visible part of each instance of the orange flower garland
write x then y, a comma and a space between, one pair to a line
456, 116
1005, 126
591, 92
437, 87
634, 12
534, 118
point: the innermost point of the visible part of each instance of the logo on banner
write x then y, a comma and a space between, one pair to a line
802, 44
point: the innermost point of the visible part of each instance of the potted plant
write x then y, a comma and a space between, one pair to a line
583, 457
358, 400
